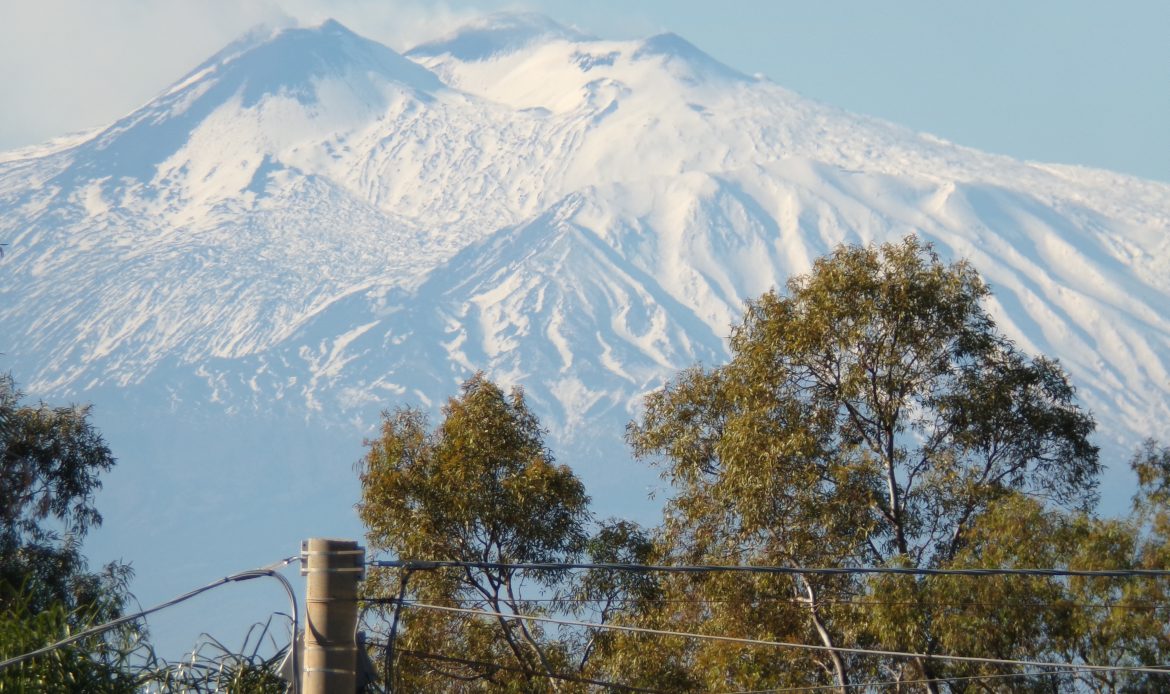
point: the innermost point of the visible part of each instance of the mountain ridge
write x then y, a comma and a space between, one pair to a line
363, 155
497, 33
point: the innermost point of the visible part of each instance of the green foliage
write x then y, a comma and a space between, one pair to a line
1122, 621
870, 416
95, 665
50, 460
481, 487
611, 591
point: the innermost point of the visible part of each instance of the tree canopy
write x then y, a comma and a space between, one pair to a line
870, 415
50, 462
481, 487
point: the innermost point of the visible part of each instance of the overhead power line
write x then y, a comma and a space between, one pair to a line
784, 644
900, 683
775, 690
423, 655
270, 570
422, 565
1137, 605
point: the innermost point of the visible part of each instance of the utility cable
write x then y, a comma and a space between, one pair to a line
270, 570
777, 690
1142, 605
422, 655
420, 565
783, 644
898, 683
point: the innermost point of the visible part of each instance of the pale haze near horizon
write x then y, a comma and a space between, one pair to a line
1071, 82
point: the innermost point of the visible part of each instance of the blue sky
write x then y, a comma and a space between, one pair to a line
1068, 81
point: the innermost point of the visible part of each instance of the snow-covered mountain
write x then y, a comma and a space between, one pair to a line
310, 227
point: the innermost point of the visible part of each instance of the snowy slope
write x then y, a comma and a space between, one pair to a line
310, 227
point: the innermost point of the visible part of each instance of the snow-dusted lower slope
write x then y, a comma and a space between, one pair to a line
310, 227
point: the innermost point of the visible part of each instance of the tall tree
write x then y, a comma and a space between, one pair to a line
50, 462
1122, 621
869, 415
481, 487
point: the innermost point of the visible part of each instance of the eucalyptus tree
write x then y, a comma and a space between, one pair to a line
481, 487
1122, 621
51, 460
872, 415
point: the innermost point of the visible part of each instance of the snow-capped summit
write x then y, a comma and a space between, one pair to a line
496, 34
307, 72
293, 59
528, 62
684, 58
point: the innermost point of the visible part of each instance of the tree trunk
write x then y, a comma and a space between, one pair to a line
839, 666
927, 674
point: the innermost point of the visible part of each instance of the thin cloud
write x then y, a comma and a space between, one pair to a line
68, 65
400, 25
